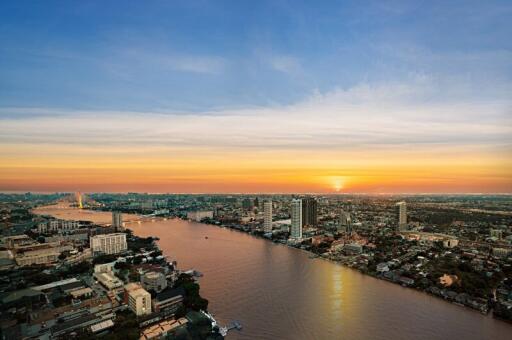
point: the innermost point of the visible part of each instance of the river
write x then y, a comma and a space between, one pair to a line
277, 292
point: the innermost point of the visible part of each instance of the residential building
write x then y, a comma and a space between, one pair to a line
296, 219
117, 220
402, 216
345, 222
139, 300
57, 226
309, 212
108, 243
267, 216
199, 215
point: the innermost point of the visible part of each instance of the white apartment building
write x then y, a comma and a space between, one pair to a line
267, 216
108, 243
54, 226
199, 215
296, 219
139, 300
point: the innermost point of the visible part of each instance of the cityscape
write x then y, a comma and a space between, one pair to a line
67, 273
274, 169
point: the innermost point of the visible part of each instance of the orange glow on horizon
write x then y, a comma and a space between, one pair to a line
203, 170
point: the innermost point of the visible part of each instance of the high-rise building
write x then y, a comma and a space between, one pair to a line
117, 220
267, 216
296, 219
108, 243
402, 216
309, 212
345, 222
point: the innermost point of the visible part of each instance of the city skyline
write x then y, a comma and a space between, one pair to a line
269, 97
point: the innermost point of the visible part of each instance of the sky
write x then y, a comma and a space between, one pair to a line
256, 96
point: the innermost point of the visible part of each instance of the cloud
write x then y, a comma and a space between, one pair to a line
285, 64
196, 64
368, 115
126, 59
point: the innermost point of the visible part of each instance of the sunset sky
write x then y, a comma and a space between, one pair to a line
256, 96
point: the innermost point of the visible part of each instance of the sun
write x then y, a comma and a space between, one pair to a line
337, 183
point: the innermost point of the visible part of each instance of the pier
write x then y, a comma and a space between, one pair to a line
233, 325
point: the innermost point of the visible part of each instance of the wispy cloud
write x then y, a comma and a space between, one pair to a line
196, 64
285, 64
367, 115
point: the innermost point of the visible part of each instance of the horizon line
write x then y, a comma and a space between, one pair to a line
262, 193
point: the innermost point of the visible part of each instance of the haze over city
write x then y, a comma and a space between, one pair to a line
266, 96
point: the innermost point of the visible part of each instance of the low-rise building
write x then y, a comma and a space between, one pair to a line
501, 252
108, 280
168, 300
353, 248
154, 281
17, 240
81, 293
39, 253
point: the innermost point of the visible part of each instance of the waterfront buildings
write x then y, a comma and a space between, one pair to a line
117, 220
402, 216
267, 216
108, 243
168, 300
199, 215
309, 212
353, 248
54, 226
154, 281
296, 219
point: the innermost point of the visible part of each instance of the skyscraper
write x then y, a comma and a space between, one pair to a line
267, 216
117, 220
402, 216
345, 222
309, 211
296, 228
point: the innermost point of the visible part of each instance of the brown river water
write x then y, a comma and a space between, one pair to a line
277, 292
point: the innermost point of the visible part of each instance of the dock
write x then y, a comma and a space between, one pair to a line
233, 325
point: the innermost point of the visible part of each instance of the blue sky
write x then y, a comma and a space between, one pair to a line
215, 95
189, 56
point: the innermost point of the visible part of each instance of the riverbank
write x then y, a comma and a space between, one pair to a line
279, 293
482, 307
